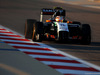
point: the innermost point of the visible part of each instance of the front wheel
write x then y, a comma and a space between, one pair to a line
29, 28
86, 34
37, 32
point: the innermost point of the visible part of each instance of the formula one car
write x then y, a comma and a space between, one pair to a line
57, 28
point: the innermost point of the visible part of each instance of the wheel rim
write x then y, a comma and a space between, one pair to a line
33, 37
37, 37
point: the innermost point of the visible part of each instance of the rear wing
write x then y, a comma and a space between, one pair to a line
46, 11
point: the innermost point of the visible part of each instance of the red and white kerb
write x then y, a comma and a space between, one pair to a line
47, 55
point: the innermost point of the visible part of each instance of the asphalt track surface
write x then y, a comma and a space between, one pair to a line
13, 14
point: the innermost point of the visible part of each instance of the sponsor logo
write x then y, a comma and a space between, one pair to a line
62, 25
48, 10
51, 10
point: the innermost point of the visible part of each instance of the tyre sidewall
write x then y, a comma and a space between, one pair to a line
86, 34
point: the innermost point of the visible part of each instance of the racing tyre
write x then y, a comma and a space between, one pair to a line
37, 32
86, 34
29, 28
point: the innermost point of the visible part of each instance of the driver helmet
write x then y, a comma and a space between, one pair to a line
59, 18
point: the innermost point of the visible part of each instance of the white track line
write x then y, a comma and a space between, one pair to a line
64, 71
52, 57
38, 51
27, 45
64, 64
